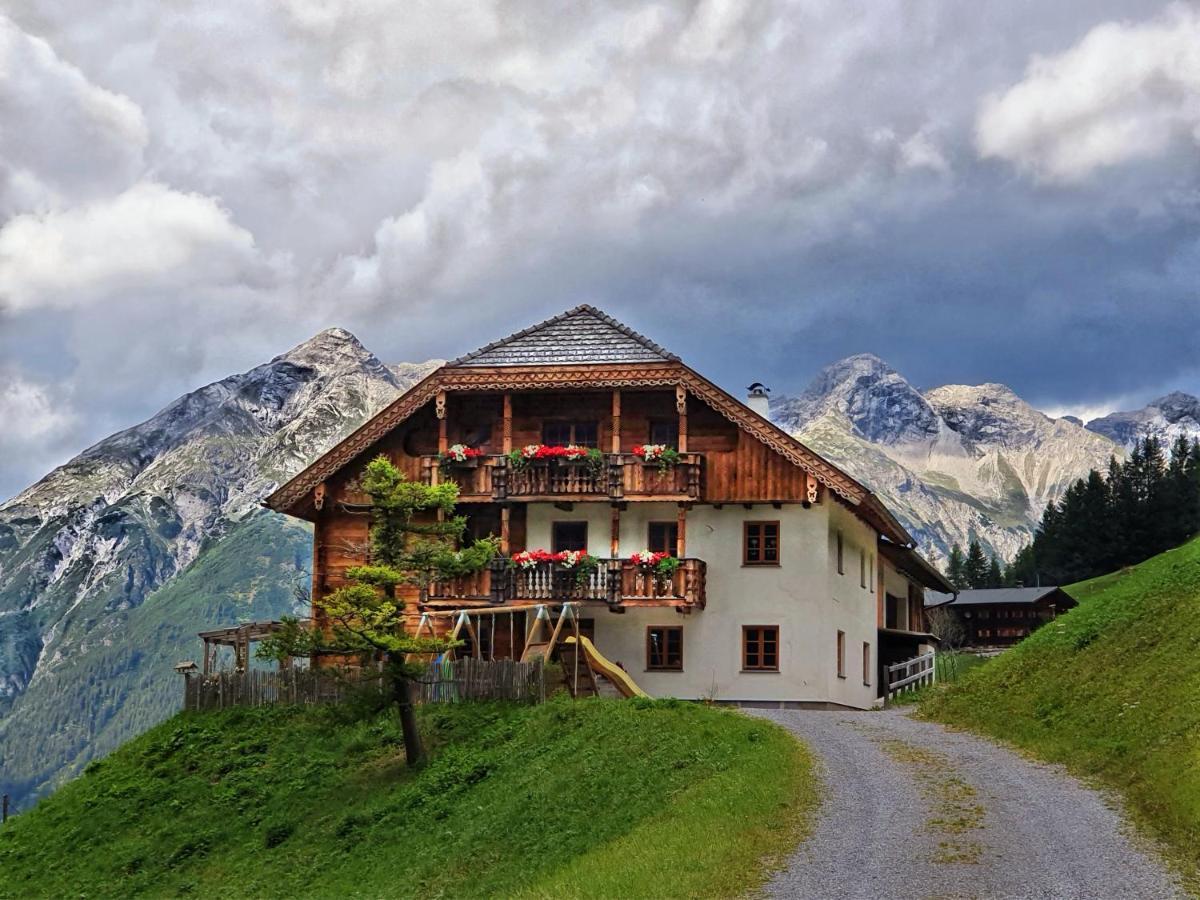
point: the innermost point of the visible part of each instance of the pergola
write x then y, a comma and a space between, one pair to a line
239, 637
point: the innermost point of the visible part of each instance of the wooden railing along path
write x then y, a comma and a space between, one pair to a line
911, 674
448, 681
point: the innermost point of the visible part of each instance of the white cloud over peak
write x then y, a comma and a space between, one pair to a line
1126, 91
146, 237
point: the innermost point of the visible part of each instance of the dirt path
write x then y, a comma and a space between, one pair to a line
912, 810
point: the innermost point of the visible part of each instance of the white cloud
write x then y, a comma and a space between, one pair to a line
30, 415
62, 138
1124, 92
148, 236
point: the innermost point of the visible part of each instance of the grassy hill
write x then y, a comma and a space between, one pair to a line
120, 681
1112, 690
593, 798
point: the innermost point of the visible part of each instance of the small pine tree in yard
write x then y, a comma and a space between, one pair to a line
414, 542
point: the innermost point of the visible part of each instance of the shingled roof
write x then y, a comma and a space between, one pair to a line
583, 335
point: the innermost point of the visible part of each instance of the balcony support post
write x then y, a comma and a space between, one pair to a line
506, 429
615, 533
616, 421
681, 408
505, 529
681, 532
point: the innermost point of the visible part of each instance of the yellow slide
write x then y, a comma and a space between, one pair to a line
614, 673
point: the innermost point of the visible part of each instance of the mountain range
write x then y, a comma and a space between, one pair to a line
111, 563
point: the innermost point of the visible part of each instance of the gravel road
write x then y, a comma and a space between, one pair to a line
911, 810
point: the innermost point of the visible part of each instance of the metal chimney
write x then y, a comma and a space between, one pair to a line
757, 399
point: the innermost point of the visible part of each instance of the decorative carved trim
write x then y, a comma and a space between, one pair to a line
681, 399
440, 404
319, 496
812, 489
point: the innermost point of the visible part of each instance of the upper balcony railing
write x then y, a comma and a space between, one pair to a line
619, 476
616, 582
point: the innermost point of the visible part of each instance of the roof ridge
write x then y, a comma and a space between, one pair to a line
580, 309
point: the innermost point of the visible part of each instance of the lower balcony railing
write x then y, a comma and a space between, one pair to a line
616, 582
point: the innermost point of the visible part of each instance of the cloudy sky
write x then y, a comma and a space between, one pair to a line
189, 188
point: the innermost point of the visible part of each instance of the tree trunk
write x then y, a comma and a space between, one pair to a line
414, 751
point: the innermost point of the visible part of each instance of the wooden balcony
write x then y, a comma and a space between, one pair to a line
622, 476
618, 582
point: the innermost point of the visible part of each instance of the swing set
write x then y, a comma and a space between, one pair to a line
541, 638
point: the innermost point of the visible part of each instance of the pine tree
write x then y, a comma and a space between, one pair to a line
976, 568
995, 575
956, 569
414, 542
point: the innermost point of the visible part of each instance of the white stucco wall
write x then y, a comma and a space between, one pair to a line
803, 596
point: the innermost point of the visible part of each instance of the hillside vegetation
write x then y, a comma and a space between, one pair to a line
1112, 690
120, 681
591, 798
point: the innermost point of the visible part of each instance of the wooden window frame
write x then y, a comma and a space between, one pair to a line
761, 523
746, 667
663, 423
650, 667
841, 654
673, 549
571, 425
866, 663
555, 523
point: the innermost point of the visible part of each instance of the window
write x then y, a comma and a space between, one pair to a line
866, 664
760, 543
862, 568
663, 537
568, 536
841, 654
760, 648
665, 432
840, 555
560, 434
871, 569
664, 647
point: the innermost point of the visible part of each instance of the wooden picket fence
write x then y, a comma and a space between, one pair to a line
911, 674
448, 681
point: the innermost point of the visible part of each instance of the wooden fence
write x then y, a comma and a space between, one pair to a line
449, 681
911, 674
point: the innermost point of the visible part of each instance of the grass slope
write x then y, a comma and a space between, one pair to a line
1112, 690
593, 798
120, 681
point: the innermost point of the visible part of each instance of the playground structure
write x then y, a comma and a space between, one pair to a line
555, 627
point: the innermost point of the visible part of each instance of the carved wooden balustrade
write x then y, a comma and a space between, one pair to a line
615, 582
622, 476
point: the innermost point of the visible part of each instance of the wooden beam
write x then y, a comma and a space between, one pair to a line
615, 533
505, 529
681, 532
681, 408
506, 431
616, 421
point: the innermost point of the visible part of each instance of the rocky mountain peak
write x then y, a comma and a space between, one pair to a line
1170, 417
879, 404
